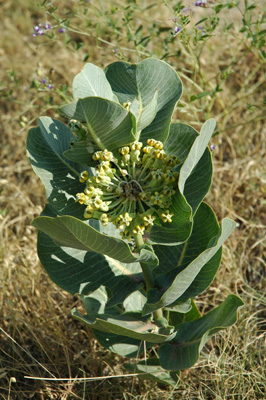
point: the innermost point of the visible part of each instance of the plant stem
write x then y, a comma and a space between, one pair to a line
148, 275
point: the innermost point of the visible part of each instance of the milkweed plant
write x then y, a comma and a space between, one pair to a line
126, 227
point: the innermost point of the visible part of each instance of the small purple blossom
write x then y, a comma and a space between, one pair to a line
213, 147
41, 29
50, 86
202, 30
36, 31
201, 3
176, 30
62, 30
44, 81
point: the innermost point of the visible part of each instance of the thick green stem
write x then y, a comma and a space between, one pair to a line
148, 275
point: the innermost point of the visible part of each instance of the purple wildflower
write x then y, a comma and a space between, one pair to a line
201, 3
213, 147
61, 30
41, 29
202, 30
36, 31
50, 86
47, 26
44, 81
176, 30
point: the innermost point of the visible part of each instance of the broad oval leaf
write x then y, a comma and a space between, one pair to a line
132, 325
179, 230
68, 231
147, 114
97, 303
190, 338
81, 152
83, 272
109, 124
91, 81
134, 302
158, 299
140, 82
151, 370
174, 259
45, 148
196, 152
194, 181
176, 318
196, 168
122, 345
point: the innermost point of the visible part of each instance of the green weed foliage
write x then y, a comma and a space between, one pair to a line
219, 54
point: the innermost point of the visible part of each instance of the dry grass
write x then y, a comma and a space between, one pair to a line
37, 332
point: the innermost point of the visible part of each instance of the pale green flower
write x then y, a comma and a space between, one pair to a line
133, 190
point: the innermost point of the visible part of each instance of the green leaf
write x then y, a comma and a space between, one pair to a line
45, 148
151, 370
196, 168
199, 96
132, 325
179, 230
194, 182
138, 84
196, 152
174, 259
91, 81
82, 272
115, 320
81, 152
134, 302
108, 123
68, 231
158, 299
176, 317
95, 304
190, 338
122, 345
147, 114
180, 307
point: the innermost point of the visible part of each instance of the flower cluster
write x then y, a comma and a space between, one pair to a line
201, 3
176, 30
133, 190
41, 29
48, 84
201, 29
